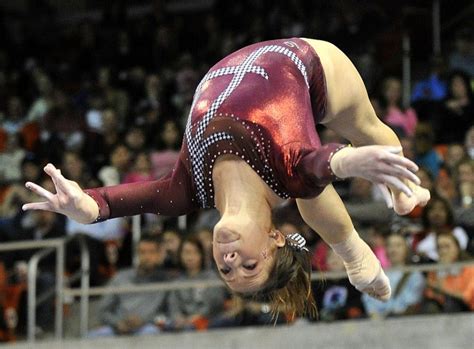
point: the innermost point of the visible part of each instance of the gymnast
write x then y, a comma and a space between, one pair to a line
250, 144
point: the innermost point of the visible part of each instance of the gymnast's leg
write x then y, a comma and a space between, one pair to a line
351, 115
327, 215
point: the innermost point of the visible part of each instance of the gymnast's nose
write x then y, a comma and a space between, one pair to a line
230, 257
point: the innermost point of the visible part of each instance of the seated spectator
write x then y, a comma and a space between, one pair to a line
15, 118
465, 183
135, 313
463, 55
119, 162
469, 142
425, 154
44, 91
432, 88
171, 243
455, 153
11, 159
395, 115
452, 289
135, 139
458, 108
205, 236
407, 287
437, 218
16, 194
191, 309
141, 170
35, 225
337, 299
168, 144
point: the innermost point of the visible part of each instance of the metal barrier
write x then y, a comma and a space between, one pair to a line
84, 292
161, 286
49, 246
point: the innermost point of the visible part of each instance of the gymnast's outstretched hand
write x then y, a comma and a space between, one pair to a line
384, 166
68, 200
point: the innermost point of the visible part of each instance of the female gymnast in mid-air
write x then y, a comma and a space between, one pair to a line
250, 143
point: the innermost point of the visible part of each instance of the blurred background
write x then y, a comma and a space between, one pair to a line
102, 89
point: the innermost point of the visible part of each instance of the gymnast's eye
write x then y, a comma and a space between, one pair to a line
225, 271
251, 266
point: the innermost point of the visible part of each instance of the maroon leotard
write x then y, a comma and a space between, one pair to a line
260, 103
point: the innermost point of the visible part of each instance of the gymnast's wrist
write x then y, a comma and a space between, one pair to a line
89, 209
338, 162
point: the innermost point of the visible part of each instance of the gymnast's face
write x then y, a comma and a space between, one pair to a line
244, 257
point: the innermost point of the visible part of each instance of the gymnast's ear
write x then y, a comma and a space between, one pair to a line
278, 237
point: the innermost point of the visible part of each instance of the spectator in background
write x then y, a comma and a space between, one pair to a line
451, 289
191, 309
395, 115
462, 57
16, 194
141, 169
337, 299
408, 286
63, 127
433, 88
455, 153
114, 98
469, 142
119, 162
437, 219
458, 108
135, 139
425, 154
171, 243
37, 226
15, 116
42, 103
168, 145
11, 159
135, 313
465, 183
205, 237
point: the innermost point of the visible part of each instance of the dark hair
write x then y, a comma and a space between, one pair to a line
463, 255
197, 243
447, 207
467, 83
288, 289
156, 239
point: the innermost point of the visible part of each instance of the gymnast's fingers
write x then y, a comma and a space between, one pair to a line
394, 159
35, 188
387, 196
45, 206
396, 183
402, 172
68, 187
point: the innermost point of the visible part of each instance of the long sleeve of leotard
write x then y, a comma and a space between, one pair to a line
171, 196
314, 165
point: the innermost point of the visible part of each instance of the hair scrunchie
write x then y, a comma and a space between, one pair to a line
296, 241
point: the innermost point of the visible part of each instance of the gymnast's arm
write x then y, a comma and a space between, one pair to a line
376, 163
171, 196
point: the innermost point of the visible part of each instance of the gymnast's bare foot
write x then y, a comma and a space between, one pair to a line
403, 204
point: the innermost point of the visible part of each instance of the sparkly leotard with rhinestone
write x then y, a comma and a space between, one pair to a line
260, 103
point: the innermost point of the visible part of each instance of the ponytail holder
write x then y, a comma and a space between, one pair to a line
296, 241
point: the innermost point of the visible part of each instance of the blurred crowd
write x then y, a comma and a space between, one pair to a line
105, 99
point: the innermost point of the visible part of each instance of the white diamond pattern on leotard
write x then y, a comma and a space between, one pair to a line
197, 144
